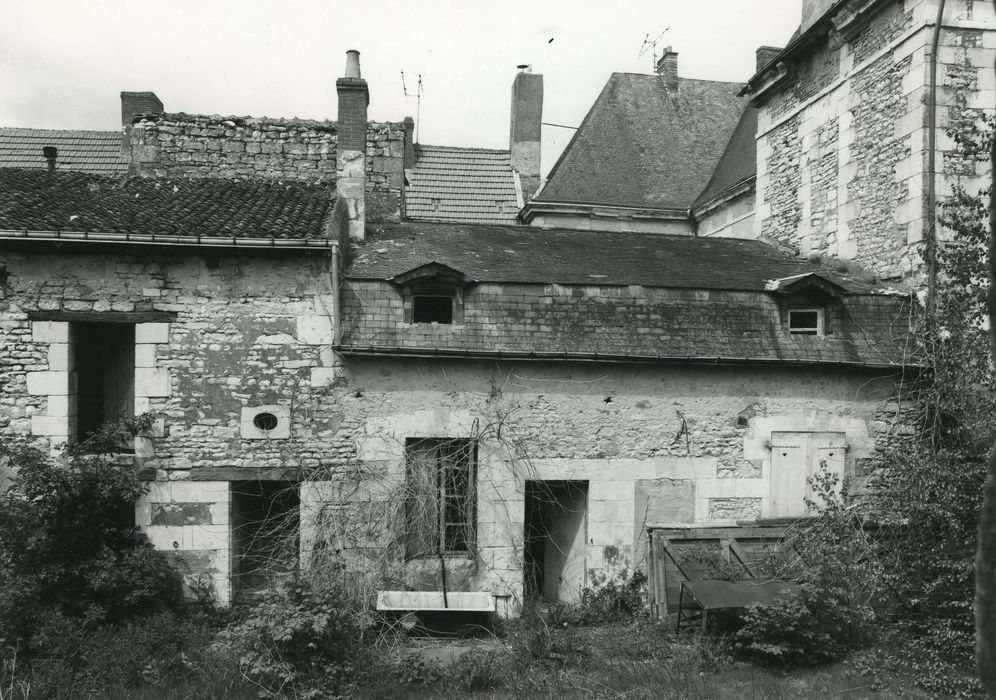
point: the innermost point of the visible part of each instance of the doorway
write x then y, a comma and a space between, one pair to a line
555, 535
265, 519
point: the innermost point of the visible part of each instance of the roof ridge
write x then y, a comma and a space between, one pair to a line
464, 148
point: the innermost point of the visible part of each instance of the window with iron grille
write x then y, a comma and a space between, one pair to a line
440, 503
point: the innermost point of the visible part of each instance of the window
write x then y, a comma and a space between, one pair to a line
432, 308
805, 321
105, 373
440, 499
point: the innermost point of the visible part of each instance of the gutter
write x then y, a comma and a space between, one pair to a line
182, 241
565, 356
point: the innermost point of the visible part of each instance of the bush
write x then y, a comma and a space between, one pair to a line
808, 631
70, 554
301, 641
611, 600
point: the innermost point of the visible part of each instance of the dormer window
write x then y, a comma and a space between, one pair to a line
804, 302
432, 308
807, 321
432, 293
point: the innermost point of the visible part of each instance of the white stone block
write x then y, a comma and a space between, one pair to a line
165, 537
57, 426
314, 330
151, 333
323, 376
62, 406
50, 331
210, 536
145, 355
200, 492
143, 513
250, 425
144, 447
60, 357
47, 383
151, 381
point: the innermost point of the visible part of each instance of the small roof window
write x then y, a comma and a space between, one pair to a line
806, 321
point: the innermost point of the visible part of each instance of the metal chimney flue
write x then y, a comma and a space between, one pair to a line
352, 64
50, 153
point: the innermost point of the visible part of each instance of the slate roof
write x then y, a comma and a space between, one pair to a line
738, 162
37, 200
642, 145
462, 185
534, 255
626, 296
95, 152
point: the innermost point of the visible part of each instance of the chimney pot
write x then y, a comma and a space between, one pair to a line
50, 153
667, 67
352, 64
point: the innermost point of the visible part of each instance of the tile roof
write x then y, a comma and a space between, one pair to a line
96, 152
36, 200
535, 255
642, 145
462, 185
738, 162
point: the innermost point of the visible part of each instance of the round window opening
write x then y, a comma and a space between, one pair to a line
265, 421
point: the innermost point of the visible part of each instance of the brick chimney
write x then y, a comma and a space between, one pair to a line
351, 150
133, 104
524, 133
764, 56
667, 66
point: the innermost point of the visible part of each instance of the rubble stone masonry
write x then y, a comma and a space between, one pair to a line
192, 145
852, 114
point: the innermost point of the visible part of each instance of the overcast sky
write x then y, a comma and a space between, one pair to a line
63, 62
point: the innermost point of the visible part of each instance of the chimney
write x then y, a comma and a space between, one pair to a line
133, 104
524, 134
667, 66
351, 150
764, 56
812, 10
50, 153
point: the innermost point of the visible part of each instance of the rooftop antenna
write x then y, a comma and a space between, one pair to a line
652, 45
418, 100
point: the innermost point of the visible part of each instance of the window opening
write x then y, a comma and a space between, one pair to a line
805, 321
440, 503
265, 421
104, 356
432, 308
265, 526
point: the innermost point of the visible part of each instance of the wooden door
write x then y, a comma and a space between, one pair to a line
795, 458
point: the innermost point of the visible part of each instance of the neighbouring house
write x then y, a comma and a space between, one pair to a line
843, 136
642, 155
335, 380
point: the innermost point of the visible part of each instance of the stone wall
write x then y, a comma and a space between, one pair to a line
187, 145
248, 332
842, 139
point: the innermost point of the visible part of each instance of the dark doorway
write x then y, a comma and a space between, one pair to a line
265, 545
104, 354
555, 535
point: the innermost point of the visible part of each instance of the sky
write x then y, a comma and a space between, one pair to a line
63, 63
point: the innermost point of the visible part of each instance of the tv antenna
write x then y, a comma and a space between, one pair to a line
418, 100
652, 46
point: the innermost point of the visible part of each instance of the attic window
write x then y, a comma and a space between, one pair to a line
805, 321
432, 308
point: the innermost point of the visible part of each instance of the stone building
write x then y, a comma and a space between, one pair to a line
334, 383
842, 133
830, 156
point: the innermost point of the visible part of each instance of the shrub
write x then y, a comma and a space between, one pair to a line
611, 600
810, 630
301, 640
70, 553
